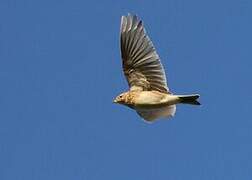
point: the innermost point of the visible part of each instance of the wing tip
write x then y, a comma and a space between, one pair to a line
131, 20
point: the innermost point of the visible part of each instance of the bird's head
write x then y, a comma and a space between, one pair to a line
120, 99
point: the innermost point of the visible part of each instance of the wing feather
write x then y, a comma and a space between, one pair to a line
154, 114
141, 63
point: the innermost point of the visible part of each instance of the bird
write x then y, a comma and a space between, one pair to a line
148, 92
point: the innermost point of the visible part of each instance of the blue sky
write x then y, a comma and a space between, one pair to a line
60, 69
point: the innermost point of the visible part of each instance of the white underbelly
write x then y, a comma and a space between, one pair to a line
150, 98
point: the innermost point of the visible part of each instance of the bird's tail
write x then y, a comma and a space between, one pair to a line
189, 99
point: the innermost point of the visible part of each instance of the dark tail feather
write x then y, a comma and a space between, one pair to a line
190, 99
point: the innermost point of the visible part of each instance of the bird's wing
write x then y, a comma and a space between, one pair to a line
141, 64
151, 115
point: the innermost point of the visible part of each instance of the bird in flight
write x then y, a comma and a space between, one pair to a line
149, 94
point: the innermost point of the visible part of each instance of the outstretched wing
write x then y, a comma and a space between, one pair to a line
141, 64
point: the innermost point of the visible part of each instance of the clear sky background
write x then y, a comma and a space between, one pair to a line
60, 69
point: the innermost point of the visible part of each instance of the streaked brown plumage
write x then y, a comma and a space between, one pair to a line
149, 94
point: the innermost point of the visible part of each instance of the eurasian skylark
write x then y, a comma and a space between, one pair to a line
149, 94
